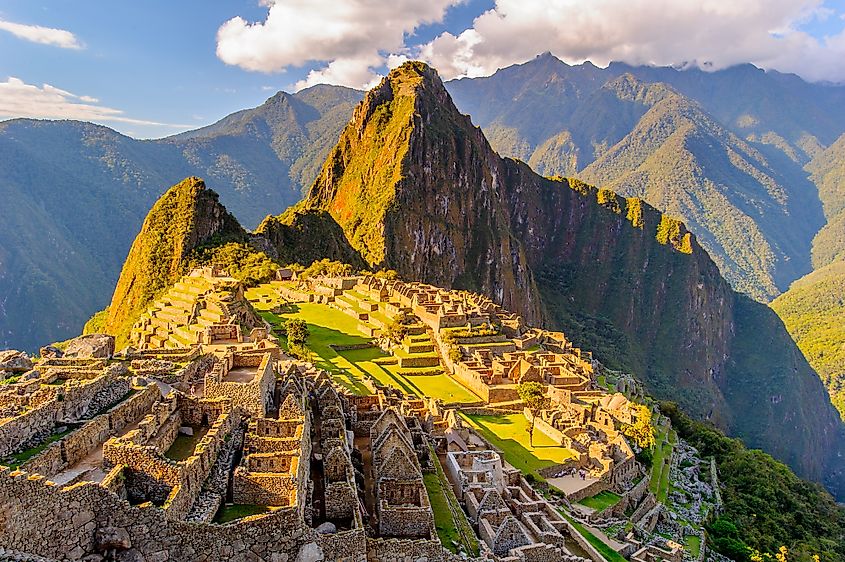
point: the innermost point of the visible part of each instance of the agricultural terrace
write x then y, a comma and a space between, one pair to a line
328, 327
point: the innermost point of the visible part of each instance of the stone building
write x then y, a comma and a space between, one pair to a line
402, 503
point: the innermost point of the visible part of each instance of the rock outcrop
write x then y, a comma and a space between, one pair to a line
15, 361
100, 346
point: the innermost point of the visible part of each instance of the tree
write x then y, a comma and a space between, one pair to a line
641, 431
533, 395
297, 331
396, 331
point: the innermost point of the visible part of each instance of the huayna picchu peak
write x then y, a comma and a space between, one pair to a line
436, 355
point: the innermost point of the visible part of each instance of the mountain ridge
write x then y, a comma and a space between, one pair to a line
416, 187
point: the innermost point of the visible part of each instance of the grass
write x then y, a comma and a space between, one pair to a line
604, 549
659, 484
328, 326
184, 445
601, 501
693, 544
237, 511
22, 457
449, 530
509, 434
11, 380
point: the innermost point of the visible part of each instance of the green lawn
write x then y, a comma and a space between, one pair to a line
509, 433
449, 530
237, 511
601, 501
440, 386
659, 483
327, 326
693, 544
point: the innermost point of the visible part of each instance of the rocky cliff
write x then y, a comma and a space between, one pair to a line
417, 188
187, 216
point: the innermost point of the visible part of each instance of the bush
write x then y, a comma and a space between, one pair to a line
296, 331
455, 354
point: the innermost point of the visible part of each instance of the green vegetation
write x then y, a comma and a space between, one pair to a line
231, 512
533, 396
763, 500
661, 455
813, 311
328, 267
184, 445
240, 260
449, 518
601, 501
509, 434
641, 431
97, 323
19, 458
609, 554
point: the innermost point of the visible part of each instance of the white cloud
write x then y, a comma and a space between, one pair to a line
19, 99
43, 35
353, 37
712, 33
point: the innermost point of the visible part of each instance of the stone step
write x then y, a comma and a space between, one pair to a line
209, 317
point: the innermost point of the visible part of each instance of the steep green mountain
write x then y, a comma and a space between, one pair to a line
813, 310
185, 218
753, 220
417, 188
827, 170
74, 196
722, 150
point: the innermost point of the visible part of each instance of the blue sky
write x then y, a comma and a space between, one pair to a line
157, 67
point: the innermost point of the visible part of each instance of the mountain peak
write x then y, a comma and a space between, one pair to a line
185, 217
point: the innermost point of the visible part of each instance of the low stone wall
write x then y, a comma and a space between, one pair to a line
414, 361
352, 347
263, 488
63, 523
80, 443
402, 550
27, 425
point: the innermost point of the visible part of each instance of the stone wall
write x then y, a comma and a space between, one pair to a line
252, 397
27, 425
402, 550
263, 488
65, 523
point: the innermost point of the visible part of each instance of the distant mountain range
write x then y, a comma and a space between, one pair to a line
752, 161
412, 185
74, 195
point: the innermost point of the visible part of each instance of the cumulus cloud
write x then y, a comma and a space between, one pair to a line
352, 38
19, 99
43, 35
712, 34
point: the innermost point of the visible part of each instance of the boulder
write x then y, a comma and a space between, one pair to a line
112, 538
327, 528
99, 346
31, 375
15, 361
311, 552
50, 352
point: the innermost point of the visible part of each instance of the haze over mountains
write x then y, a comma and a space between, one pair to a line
748, 159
